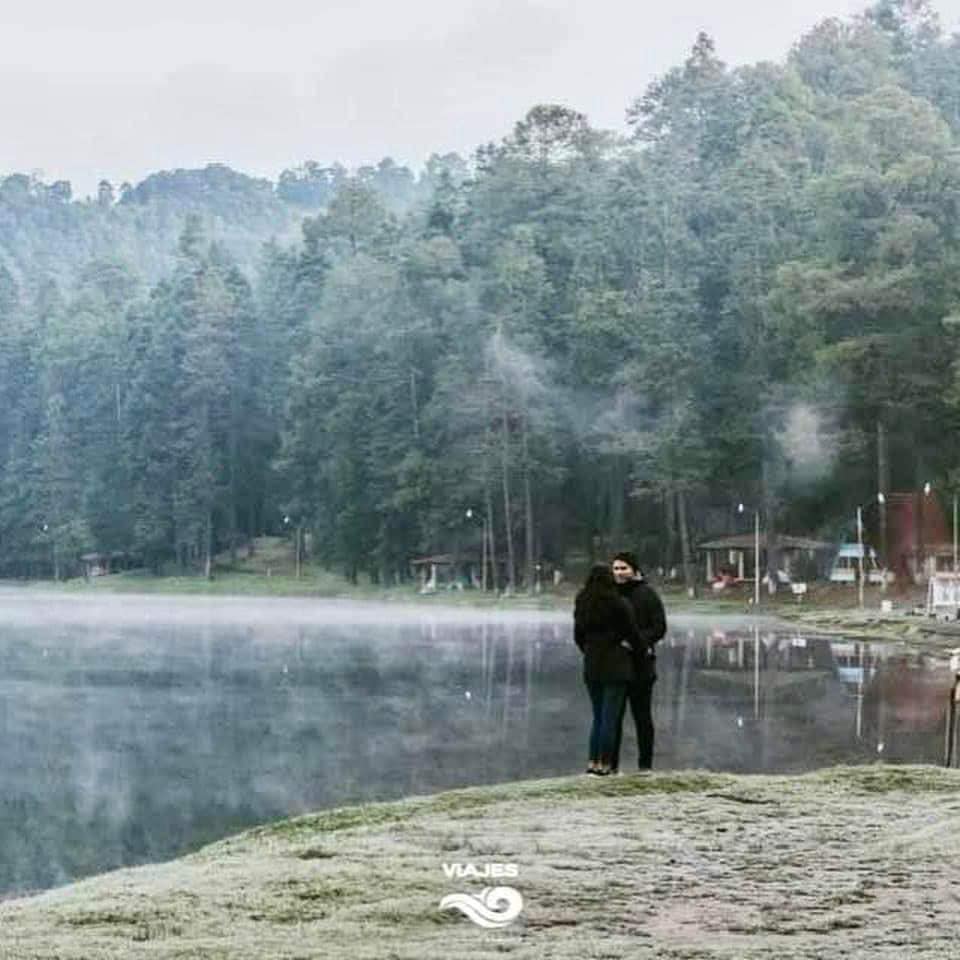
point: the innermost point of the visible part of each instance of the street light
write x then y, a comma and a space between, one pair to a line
756, 554
881, 500
860, 548
954, 532
298, 543
483, 549
921, 539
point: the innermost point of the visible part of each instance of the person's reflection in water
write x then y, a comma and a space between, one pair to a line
606, 631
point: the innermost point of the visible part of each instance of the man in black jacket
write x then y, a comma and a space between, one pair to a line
652, 623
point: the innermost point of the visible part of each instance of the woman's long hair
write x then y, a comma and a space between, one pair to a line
594, 599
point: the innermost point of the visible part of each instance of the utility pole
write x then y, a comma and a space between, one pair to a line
883, 488
860, 543
954, 533
483, 556
882, 501
756, 549
756, 554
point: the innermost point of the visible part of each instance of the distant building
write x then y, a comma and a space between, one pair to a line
918, 537
102, 564
846, 564
734, 556
446, 571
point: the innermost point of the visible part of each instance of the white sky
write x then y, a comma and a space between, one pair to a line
119, 89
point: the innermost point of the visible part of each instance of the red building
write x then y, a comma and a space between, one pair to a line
919, 538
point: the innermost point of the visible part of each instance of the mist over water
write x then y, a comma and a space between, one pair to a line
136, 728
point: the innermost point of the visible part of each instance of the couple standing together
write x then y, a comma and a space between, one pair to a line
618, 618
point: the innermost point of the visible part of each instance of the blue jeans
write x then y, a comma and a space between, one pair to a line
608, 702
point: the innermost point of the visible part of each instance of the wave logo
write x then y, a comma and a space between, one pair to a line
496, 907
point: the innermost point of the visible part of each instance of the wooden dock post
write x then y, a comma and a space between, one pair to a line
950, 747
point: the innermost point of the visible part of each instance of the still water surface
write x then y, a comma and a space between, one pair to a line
133, 729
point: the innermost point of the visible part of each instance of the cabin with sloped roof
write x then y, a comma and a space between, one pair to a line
734, 557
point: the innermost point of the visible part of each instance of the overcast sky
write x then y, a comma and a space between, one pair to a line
117, 89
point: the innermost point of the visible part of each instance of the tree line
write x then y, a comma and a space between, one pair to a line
570, 340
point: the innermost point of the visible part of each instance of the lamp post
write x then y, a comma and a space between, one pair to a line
921, 539
955, 585
483, 549
756, 554
860, 549
882, 500
298, 549
45, 529
954, 533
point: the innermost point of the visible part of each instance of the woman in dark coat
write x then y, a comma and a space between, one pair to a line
605, 630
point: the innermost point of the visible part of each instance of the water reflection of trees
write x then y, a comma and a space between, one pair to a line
768, 700
904, 707
124, 746
121, 747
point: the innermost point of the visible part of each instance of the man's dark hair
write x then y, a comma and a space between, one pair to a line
629, 558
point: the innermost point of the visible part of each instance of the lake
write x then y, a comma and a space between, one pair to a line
133, 729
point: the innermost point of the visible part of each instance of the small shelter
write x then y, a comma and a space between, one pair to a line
102, 564
446, 571
731, 553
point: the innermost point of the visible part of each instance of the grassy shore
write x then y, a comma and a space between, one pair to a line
270, 571
827, 611
852, 862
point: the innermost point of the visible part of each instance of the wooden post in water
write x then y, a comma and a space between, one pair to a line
951, 724
756, 673
951, 737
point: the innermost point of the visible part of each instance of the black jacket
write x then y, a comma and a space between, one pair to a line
651, 620
599, 630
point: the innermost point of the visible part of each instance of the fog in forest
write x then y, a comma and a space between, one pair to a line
340, 313
744, 293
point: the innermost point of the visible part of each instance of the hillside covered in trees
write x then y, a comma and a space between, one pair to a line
590, 338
